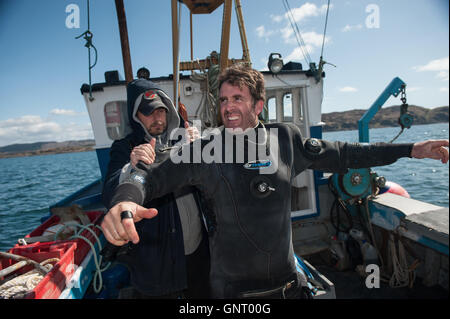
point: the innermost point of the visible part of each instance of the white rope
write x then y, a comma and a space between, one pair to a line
26, 282
402, 275
98, 279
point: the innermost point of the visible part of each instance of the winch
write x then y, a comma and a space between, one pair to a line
357, 183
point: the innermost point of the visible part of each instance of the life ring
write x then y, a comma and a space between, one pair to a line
394, 188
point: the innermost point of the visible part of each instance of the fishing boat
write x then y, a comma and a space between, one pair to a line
355, 235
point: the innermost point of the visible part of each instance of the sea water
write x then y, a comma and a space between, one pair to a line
29, 185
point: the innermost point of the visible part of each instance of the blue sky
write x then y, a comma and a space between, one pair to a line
43, 66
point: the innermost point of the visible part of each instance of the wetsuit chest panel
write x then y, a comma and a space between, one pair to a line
253, 238
263, 202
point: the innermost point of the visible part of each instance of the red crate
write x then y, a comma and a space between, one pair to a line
54, 282
82, 246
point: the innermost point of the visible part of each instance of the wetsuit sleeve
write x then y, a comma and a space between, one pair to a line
338, 157
158, 179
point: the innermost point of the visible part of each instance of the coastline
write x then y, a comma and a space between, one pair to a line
335, 121
48, 152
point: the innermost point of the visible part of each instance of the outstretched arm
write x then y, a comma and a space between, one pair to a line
434, 149
142, 185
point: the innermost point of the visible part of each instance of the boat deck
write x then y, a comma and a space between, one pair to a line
350, 285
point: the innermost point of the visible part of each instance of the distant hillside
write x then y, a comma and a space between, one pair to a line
336, 121
40, 148
386, 117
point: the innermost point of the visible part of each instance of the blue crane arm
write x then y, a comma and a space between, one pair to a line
394, 88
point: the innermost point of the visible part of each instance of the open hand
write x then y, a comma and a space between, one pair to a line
434, 149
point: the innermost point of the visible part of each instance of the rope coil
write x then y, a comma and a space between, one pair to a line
18, 286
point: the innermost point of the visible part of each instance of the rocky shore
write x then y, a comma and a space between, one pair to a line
386, 117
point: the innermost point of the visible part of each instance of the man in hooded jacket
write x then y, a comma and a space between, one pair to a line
171, 255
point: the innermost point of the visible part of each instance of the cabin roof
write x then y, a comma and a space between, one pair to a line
118, 81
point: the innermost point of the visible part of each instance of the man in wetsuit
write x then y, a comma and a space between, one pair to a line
244, 170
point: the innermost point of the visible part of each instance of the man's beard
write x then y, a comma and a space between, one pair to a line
157, 128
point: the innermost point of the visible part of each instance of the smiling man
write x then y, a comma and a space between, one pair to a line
240, 102
249, 225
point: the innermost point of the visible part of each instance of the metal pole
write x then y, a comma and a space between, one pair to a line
192, 45
225, 42
245, 50
124, 40
175, 50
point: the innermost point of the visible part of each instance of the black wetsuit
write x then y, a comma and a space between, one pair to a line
250, 242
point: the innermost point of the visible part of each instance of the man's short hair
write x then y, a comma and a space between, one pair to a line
241, 75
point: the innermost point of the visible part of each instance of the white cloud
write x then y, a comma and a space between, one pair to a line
276, 18
312, 41
435, 65
262, 33
307, 10
287, 34
32, 128
297, 54
348, 89
443, 75
439, 65
348, 27
66, 112
444, 89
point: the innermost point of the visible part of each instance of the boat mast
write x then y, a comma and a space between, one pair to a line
175, 50
225, 41
124, 40
240, 19
206, 7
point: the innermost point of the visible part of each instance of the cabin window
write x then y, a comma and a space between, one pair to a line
287, 107
271, 110
116, 119
300, 109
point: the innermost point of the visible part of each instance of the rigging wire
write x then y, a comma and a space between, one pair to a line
297, 32
88, 37
325, 30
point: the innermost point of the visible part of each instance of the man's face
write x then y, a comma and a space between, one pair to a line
156, 122
237, 107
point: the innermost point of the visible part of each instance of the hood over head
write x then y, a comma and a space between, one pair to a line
136, 94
